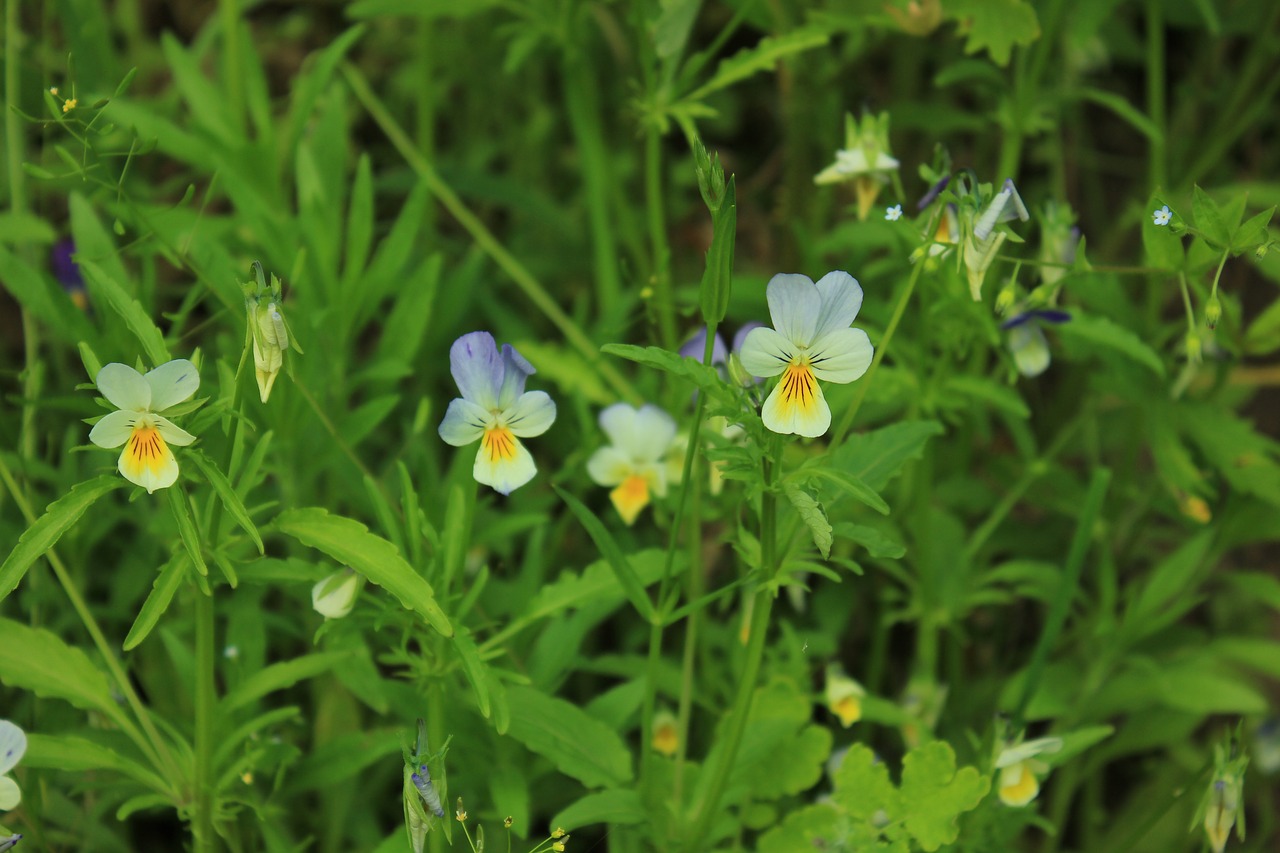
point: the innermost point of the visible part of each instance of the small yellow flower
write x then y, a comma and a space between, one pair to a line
68, 105
508, 821
558, 833
558, 847
1195, 508
844, 696
1019, 770
53, 90
666, 733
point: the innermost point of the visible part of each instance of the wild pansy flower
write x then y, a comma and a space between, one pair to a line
268, 329
1162, 216
1019, 769
1027, 342
634, 461
13, 743
981, 242
844, 696
139, 424
893, 214
865, 159
334, 596
495, 410
810, 340
666, 733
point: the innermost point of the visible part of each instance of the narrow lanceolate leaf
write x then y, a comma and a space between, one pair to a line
579, 745
166, 584
618, 806
72, 754
278, 676
609, 549
474, 669
350, 543
1103, 332
227, 494
129, 309
39, 661
58, 518
187, 528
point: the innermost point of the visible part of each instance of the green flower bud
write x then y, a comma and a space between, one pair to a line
1213, 312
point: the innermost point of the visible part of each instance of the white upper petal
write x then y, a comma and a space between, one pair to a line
765, 352
124, 387
795, 306
172, 433
172, 383
532, 414
841, 299
643, 434
464, 422
114, 429
13, 743
841, 355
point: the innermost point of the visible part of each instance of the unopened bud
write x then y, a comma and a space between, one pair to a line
1213, 312
1194, 348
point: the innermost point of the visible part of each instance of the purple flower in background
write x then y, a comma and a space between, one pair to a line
67, 272
933, 193
1027, 342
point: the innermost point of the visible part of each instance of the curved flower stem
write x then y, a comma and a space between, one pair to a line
483, 237
850, 413
762, 608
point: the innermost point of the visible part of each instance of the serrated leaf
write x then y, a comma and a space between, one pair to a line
474, 669
761, 57
73, 754
227, 494
59, 517
597, 581
862, 784
706, 378
279, 676
187, 532
1104, 332
350, 543
935, 794
877, 456
39, 661
578, 745
995, 26
615, 806
162, 591
811, 514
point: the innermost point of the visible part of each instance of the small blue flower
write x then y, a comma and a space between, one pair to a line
495, 410
1162, 216
893, 214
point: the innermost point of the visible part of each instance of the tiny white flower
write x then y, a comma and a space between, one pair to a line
893, 214
495, 410
635, 460
13, 743
811, 340
1162, 216
146, 459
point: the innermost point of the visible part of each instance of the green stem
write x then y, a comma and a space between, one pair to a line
1156, 97
483, 237
233, 65
762, 608
154, 746
898, 310
662, 297
435, 734
206, 700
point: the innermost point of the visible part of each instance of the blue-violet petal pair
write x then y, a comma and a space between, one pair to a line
810, 341
495, 409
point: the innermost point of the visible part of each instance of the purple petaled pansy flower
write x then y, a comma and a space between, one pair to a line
67, 272
1027, 342
495, 410
933, 193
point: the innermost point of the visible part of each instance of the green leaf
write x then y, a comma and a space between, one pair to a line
877, 542
25, 228
72, 754
761, 57
862, 784
279, 676
1206, 687
350, 543
876, 457
706, 378
995, 26
985, 390
812, 515
1263, 335
474, 669
37, 292
39, 661
1162, 247
227, 494
1103, 332
577, 744
935, 794
851, 485
598, 581
1171, 580
616, 806
609, 549
186, 527
162, 591
671, 30
1209, 219
785, 753
1252, 232
1076, 742
359, 229
1120, 105
717, 280
130, 310
58, 518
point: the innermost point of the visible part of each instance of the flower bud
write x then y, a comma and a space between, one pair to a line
1213, 312
844, 696
334, 596
268, 329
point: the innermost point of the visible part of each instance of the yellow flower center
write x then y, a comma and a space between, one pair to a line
631, 497
848, 709
145, 450
499, 444
799, 387
1018, 785
665, 740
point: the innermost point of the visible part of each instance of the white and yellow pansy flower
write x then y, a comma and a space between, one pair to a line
139, 424
634, 461
495, 410
13, 743
1019, 769
811, 340
844, 696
